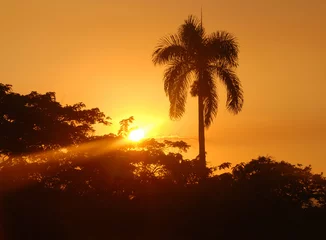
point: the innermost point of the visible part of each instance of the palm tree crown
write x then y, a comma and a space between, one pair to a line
194, 60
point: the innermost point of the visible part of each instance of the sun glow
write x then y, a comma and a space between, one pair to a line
137, 135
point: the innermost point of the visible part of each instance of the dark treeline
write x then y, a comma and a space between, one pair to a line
58, 181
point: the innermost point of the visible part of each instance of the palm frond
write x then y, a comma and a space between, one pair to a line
210, 98
223, 47
191, 52
168, 49
192, 34
194, 89
176, 84
235, 98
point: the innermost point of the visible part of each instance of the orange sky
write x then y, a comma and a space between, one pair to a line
99, 52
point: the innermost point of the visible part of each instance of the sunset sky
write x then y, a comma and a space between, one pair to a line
99, 52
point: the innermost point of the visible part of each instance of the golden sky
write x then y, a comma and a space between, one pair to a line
99, 52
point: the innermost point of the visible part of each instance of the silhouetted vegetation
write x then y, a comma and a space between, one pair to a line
58, 181
36, 122
194, 60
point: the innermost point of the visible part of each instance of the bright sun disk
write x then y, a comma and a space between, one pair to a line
136, 135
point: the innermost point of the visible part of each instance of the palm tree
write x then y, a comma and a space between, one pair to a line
194, 60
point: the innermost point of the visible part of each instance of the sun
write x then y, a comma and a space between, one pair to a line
137, 135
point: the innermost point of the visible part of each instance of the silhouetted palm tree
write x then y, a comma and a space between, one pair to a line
193, 60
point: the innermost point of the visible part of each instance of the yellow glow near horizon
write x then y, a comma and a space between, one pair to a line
137, 135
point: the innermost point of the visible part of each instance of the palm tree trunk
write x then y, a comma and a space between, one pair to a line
201, 136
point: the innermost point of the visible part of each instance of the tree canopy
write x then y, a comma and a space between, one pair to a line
82, 186
35, 122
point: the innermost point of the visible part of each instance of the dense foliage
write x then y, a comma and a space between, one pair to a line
79, 186
35, 122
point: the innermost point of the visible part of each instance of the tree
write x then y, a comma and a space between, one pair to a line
37, 122
194, 59
274, 182
125, 126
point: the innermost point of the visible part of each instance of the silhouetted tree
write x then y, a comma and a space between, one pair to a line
99, 186
125, 126
194, 59
36, 122
280, 182
95, 195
